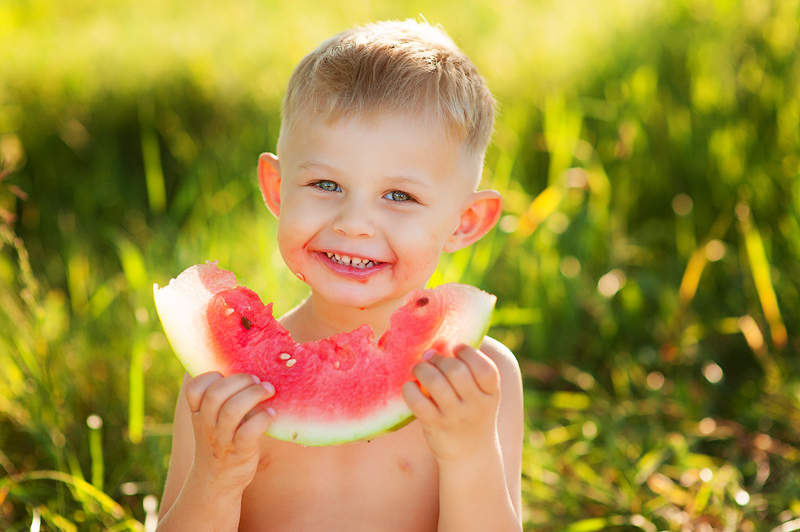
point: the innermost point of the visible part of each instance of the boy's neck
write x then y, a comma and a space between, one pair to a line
316, 318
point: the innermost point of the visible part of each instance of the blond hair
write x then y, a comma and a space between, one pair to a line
393, 68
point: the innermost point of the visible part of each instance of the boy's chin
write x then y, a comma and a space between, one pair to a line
359, 298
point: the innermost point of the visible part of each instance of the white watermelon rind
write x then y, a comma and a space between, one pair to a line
182, 306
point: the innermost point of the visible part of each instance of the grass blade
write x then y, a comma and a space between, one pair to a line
106, 503
760, 269
136, 394
95, 424
151, 153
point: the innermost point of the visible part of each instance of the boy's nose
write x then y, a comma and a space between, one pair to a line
353, 221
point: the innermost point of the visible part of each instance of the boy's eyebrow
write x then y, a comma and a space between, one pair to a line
310, 165
394, 179
403, 180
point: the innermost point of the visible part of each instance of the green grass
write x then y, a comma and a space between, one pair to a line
646, 265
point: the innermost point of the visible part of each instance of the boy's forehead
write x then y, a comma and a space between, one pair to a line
294, 135
375, 119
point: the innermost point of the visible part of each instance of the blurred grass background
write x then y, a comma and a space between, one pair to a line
646, 263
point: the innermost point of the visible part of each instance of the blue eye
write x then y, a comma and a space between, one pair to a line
329, 186
397, 195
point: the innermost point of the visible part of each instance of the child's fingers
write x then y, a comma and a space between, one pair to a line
484, 371
236, 408
196, 388
253, 428
436, 383
422, 407
219, 392
457, 374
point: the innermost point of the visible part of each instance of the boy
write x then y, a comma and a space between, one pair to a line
380, 153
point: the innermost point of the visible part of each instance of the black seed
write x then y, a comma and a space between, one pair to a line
246, 323
421, 302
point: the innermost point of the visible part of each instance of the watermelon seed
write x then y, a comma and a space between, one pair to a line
421, 302
284, 356
336, 364
246, 323
228, 311
291, 362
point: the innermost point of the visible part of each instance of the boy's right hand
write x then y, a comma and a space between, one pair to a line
228, 421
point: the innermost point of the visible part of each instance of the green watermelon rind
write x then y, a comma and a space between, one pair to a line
392, 417
185, 300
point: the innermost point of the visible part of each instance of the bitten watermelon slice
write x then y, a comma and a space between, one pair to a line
340, 389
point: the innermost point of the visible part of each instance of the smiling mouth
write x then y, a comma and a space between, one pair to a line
354, 262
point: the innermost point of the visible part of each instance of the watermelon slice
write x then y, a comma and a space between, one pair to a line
340, 389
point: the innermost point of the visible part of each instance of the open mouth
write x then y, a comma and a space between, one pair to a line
354, 262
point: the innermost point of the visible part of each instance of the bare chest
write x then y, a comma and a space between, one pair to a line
388, 484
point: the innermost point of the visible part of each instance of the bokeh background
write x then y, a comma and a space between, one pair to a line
646, 263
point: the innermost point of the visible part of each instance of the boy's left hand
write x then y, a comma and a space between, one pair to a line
459, 412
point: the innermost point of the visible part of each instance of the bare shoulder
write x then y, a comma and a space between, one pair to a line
510, 382
504, 359
510, 416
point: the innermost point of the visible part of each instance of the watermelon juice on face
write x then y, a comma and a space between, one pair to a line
378, 160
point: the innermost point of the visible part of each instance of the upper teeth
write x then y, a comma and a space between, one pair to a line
346, 260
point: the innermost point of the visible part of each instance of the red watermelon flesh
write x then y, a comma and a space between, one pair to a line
340, 389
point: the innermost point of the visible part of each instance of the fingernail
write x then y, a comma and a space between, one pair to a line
256, 379
269, 387
427, 355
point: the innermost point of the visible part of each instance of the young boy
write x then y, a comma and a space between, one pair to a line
380, 153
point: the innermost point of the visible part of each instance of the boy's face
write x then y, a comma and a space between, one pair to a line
365, 208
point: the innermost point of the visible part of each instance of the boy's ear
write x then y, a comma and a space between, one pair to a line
481, 213
269, 181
